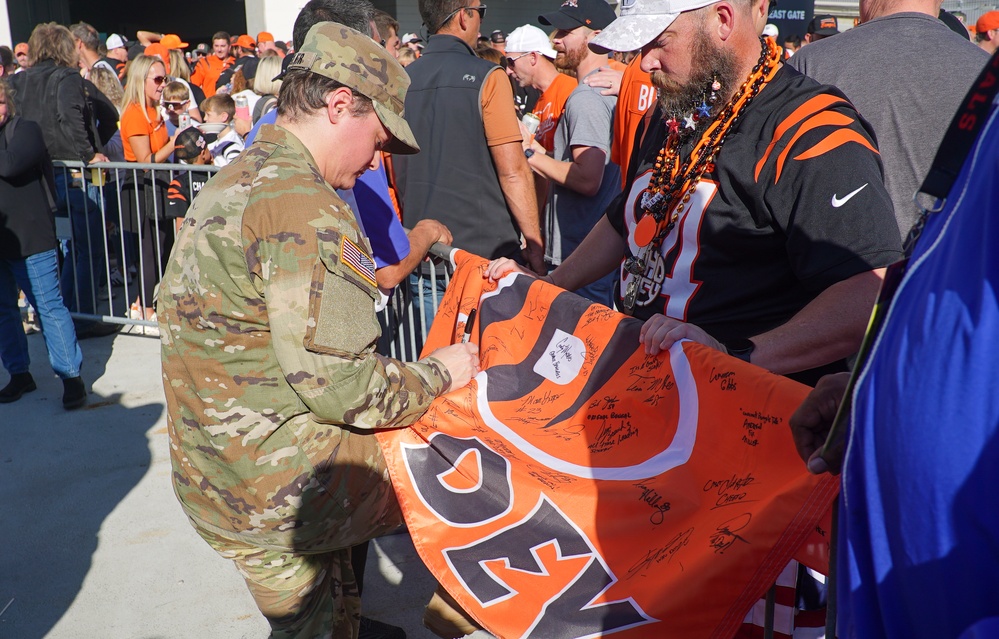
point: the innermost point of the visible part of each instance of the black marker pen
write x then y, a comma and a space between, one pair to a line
469, 327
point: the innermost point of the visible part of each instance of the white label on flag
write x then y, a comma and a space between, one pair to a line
562, 359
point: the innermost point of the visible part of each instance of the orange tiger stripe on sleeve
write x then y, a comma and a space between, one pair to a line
835, 139
811, 107
824, 118
174, 192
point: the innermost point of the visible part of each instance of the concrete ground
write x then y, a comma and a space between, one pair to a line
94, 543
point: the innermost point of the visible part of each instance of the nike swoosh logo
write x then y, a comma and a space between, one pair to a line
838, 202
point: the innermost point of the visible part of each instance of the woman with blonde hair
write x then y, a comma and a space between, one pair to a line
108, 84
145, 140
266, 86
143, 131
181, 72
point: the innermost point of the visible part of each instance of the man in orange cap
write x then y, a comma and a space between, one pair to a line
246, 59
987, 32
265, 42
21, 55
209, 68
173, 41
245, 46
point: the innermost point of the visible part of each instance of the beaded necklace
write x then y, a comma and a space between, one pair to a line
675, 180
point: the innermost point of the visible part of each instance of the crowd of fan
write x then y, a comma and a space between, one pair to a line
158, 99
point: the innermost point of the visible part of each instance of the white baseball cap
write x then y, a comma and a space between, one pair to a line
115, 41
641, 21
529, 38
771, 30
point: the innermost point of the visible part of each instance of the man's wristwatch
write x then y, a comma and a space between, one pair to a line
741, 348
528, 153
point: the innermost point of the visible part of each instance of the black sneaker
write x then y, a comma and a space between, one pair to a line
74, 393
96, 329
20, 383
372, 629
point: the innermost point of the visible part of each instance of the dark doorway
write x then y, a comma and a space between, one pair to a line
193, 20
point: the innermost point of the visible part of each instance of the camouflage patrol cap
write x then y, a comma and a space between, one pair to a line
340, 53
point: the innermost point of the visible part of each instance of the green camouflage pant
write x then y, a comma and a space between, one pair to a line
313, 594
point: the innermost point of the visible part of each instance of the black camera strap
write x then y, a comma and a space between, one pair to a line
963, 131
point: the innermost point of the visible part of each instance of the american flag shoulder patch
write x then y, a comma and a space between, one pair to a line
357, 260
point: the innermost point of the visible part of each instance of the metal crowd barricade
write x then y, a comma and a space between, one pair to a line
407, 316
106, 212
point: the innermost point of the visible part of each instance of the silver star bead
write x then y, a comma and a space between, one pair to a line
688, 122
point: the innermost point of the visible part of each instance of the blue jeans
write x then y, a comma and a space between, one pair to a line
425, 297
38, 277
84, 267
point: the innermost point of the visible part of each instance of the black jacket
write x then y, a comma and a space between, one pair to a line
56, 99
27, 220
454, 179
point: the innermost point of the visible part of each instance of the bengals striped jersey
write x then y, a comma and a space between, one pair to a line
794, 203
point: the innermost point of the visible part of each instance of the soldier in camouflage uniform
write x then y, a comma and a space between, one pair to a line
267, 320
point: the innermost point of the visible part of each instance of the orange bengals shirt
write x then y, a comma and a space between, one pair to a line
637, 96
549, 109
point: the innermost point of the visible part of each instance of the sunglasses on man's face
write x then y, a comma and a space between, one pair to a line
175, 106
510, 61
481, 9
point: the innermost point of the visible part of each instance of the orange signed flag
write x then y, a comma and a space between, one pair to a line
580, 488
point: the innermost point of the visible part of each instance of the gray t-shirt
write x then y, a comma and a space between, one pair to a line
906, 73
588, 120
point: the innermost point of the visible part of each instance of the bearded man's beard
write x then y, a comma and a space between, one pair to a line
709, 62
570, 59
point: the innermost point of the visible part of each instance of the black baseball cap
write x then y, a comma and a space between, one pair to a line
249, 67
823, 25
595, 14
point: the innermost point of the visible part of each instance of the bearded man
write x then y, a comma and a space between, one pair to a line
579, 177
755, 220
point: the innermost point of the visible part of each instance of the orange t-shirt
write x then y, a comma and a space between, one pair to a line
133, 122
499, 115
549, 109
207, 72
637, 96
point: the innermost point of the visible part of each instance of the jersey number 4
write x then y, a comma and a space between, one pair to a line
674, 282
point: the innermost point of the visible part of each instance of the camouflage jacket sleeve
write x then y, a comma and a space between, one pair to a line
314, 273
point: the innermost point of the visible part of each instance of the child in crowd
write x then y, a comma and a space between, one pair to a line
176, 100
192, 148
222, 109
